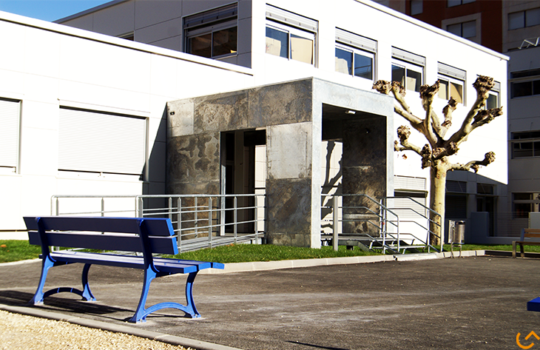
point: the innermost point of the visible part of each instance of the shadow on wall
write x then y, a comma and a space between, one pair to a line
155, 184
331, 185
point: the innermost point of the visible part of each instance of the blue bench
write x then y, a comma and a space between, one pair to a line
147, 235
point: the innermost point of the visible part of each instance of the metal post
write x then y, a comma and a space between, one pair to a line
102, 206
170, 209
256, 214
196, 218
210, 221
335, 206
222, 216
179, 224
141, 207
235, 219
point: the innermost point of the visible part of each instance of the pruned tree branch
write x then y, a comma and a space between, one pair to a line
475, 164
403, 134
447, 112
482, 85
427, 94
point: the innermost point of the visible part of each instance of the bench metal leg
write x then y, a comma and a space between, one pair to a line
39, 296
189, 309
514, 249
86, 293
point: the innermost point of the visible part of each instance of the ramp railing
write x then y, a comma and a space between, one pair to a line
199, 221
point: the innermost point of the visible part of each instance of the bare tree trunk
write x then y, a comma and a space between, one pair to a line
437, 198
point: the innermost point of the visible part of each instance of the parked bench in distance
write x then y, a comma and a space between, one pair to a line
529, 236
145, 235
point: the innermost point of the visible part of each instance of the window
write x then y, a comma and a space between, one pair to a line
524, 19
10, 111
465, 30
290, 36
525, 203
493, 98
525, 144
408, 69
526, 88
357, 56
290, 43
100, 142
417, 7
452, 82
452, 3
212, 34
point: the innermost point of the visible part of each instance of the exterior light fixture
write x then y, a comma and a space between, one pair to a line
350, 112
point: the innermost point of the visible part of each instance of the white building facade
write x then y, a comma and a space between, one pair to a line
79, 78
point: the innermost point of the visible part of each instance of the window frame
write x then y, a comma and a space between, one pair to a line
516, 140
452, 80
534, 204
290, 31
14, 167
417, 6
210, 28
356, 51
523, 14
454, 3
409, 66
461, 26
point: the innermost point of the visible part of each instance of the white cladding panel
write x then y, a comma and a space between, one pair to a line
98, 142
9, 133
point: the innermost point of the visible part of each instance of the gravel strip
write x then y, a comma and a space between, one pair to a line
27, 332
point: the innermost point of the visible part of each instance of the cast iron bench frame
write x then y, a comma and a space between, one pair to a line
533, 233
147, 235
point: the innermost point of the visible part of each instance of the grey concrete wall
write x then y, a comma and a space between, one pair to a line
291, 112
285, 110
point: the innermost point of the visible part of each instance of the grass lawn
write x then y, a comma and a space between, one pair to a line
16, 250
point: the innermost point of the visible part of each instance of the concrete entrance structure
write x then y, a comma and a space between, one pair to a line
296, 117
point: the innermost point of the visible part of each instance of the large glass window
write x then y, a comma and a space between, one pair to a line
522, 19
450, 87
212, 34
289, 42
417, 7
452, 3
524, 203
409, 75
354, 62
464, 30
526, 88
525, 144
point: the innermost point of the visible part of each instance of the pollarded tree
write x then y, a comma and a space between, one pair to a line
435, 153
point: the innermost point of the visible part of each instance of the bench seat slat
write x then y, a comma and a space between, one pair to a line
130, 243
137, 262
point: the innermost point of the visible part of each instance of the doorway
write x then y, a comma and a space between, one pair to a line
243, 172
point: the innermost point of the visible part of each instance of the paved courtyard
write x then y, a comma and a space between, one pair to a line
468, 303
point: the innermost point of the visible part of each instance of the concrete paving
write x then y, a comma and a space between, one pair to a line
467, 303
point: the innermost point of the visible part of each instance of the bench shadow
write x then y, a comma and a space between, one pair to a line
56, 303
315, 346
78, 306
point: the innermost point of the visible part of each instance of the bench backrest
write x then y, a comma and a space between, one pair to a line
530, 234
103, 233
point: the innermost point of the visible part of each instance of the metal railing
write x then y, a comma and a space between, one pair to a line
415, 221
377, 224
199, 221
366, 218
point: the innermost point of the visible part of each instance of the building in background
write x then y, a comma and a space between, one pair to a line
173, 85
511, 27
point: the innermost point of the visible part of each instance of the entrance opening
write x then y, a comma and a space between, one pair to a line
243, 171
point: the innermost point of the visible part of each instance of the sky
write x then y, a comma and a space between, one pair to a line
48, 10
